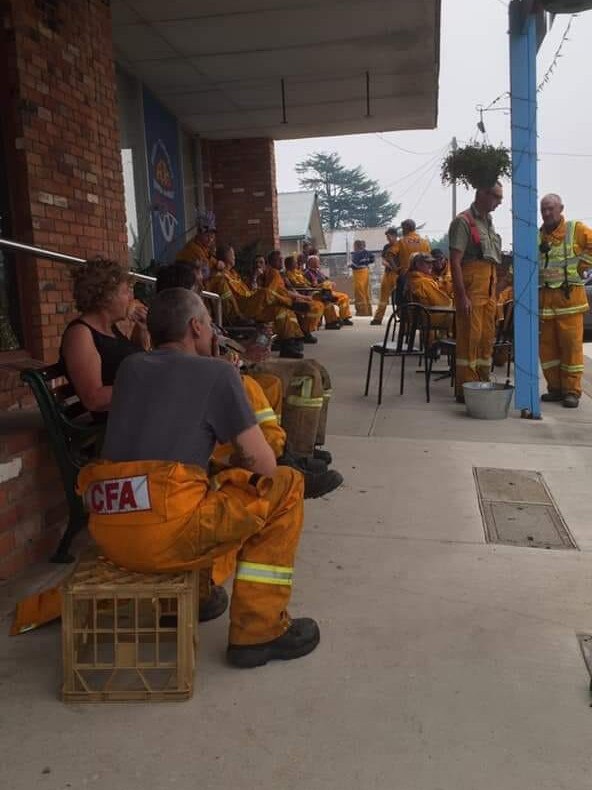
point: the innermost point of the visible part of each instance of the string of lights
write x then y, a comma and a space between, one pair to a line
558, 54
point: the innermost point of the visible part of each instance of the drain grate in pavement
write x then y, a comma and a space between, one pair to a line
518, 510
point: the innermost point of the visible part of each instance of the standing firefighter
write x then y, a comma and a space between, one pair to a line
398, 257
360, 261
388, 282
565, 249
475, 254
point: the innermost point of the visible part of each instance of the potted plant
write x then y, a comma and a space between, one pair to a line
476, 165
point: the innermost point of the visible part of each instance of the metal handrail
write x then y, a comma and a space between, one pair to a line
39, 252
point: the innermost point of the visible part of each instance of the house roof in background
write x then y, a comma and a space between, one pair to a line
340, 241
294, 213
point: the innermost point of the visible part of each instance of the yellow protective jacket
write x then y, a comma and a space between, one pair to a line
297, 279
277, 288
425, 289
570, 252
164, 516
404, 248
194, 251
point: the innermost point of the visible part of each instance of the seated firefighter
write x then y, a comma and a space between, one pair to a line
317, 279
153, 507
200, 250
425, 289
265, 393
242, 304
309, 311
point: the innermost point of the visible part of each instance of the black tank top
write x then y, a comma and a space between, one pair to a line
111, 350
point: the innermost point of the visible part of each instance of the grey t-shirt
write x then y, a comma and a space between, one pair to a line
172, 406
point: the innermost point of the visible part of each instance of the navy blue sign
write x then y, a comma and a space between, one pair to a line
165, 181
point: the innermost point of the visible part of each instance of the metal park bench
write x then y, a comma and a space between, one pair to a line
73, 437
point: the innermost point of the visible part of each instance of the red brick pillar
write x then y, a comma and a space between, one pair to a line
240, 176
60, 137
61, 140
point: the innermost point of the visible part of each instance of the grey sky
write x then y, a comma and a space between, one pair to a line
474, 70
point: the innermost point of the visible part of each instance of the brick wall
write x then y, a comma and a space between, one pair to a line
61, 147
240, 177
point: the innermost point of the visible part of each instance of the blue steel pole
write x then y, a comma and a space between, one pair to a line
523, 89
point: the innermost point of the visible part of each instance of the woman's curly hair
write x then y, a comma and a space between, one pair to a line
95, 283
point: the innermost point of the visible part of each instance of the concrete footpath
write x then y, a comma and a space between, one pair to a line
445, 663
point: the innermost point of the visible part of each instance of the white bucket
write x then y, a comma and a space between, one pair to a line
486, 400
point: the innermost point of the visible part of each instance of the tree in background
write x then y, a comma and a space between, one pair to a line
347, 197
441, 243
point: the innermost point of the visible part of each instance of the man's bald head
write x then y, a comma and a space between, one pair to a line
551, 211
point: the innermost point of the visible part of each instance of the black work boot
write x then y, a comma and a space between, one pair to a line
553, 396
291, 349
375, 322
346, 322
571, 401
316, 486
308, 338
323, 455
209, 609
299, 640
333, 325
304, 465
215, 605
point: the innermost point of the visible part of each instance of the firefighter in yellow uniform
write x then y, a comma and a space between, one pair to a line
360, 261
388, 282
164, 515
425, 290
239, 302
565, 250
335, 303
475, 254
295, 279
200, 250
309, 311
400, 253
441, 271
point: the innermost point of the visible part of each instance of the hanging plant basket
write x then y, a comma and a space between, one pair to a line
477, 165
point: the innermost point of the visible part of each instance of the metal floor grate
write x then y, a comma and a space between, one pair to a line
518, 510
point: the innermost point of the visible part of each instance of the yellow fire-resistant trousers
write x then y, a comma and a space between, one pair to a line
343, 305
475, 333
387, 286
561, 347
182, 521
362, 297
310, 321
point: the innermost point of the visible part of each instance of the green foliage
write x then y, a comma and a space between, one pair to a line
440, 243
347, 197
477, 165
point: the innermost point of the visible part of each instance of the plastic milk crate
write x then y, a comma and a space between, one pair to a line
126, 635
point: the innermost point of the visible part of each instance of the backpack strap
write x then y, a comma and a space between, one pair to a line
473, 229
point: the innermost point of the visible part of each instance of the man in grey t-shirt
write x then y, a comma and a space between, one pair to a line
169, 408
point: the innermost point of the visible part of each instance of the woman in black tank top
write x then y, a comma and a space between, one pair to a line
92, 346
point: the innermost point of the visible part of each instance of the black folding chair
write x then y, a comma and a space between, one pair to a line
403, 346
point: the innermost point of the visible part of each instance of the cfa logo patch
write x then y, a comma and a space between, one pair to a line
120, 495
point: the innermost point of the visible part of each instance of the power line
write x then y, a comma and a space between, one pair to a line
421, 197
405, 150
425, 165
